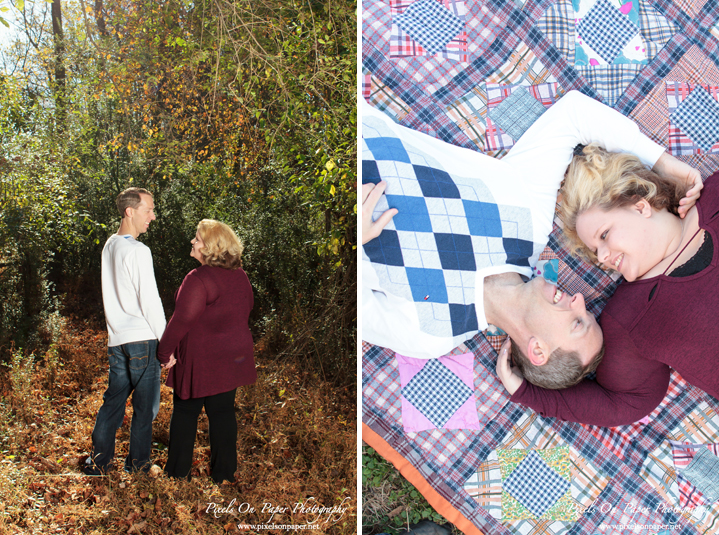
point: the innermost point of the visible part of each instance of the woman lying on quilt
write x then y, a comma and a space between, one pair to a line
624, 216
466, 231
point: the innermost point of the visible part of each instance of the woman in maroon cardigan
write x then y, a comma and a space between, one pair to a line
622, 215
211, 340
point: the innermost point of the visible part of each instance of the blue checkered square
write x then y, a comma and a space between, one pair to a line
516, 113
427, 285
698, 118
430, 24
370, 172
412, 214
455, 251
702, 473
606, 30
463, 318
436, 392
535, 485
387, 148
483, 219
435, 182
385, 249
518, 251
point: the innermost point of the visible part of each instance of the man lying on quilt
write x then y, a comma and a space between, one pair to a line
448, 248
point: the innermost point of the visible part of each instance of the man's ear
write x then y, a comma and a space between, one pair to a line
643, 207
537, 352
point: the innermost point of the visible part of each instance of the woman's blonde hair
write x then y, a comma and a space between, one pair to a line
598, 178
222, 246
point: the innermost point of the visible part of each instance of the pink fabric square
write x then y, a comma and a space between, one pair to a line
462, 366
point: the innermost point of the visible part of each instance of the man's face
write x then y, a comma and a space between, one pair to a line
141, 216
561, 320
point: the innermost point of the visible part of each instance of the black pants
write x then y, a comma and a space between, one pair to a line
220, 410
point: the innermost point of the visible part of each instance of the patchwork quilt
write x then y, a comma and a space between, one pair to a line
461, 71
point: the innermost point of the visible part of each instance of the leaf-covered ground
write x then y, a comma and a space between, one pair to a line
297, 453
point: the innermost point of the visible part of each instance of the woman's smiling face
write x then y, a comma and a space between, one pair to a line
623, 238
197, 245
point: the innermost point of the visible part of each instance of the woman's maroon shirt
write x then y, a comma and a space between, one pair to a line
209, 333
649, 325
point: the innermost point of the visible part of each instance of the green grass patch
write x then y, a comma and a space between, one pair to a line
390, 503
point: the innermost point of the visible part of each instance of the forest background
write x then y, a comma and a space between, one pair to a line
237, 110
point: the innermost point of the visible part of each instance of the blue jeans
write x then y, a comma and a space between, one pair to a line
134, 369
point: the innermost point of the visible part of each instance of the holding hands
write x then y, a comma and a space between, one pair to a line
170, 363
371, 194
511, 377
668, 166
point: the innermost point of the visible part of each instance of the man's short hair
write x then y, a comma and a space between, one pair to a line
562, 369
130, 198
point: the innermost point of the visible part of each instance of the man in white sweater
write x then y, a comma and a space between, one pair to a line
135, 323
450, 237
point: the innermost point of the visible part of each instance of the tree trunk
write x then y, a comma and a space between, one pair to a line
60, 74
100, 18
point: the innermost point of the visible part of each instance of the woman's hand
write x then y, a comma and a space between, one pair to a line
371, 194
170, 363
668, 166
511, 377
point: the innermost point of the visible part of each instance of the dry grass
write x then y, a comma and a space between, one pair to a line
297, 445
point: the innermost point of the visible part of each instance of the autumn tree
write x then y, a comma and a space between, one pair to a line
241, 111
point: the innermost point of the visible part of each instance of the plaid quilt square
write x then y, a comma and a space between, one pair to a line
696, 481
587, 482
383, 98
605, 34
536, 482
702, 422
381, 388
428, 27
438, 393
533, 100
522, 67
484, 485
652, 112
656, 29
557, 24
690, 7
366, 86
610, 81
516, 113
469, 112
693, 118
702, 473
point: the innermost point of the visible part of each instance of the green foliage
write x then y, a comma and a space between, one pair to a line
390, 503
297, 63
39, 216
23, 405
254, 126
